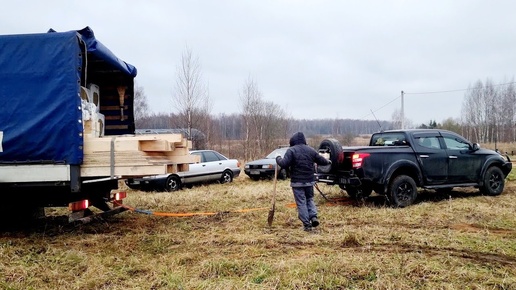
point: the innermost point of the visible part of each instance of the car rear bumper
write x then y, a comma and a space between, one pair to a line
259, 173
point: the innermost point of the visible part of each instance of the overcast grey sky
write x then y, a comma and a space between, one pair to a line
316, 59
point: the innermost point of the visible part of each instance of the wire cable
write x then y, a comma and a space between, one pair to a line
428, 93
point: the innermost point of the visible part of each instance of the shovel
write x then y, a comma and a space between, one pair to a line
270, 218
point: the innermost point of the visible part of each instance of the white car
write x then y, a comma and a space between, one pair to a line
213, 167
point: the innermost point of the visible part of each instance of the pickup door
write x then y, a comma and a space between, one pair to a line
464, 164
447, 158
432, 157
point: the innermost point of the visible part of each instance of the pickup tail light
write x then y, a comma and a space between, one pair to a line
357, 159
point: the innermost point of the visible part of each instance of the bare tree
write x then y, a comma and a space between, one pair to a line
396, 120
508, 112
191, 98
141, 107
251, 102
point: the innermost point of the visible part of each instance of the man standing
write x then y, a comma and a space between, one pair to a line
301, 158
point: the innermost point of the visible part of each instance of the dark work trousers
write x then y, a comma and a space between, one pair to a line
306, 209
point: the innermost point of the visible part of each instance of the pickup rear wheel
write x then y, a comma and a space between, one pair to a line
494, 181
359, 192
402, 191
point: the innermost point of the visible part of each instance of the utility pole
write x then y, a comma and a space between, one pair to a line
402, 112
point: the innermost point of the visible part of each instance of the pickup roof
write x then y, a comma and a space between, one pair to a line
397, 162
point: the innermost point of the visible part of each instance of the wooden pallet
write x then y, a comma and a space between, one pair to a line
133, 156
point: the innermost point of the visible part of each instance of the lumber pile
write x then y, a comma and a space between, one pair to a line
132, 156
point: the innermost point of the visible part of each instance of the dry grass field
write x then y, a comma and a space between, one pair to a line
459, 241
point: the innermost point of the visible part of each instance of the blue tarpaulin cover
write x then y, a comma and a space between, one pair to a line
40, 115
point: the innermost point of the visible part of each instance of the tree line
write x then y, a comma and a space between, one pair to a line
488, 115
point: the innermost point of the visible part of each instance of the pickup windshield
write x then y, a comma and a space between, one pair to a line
388, 139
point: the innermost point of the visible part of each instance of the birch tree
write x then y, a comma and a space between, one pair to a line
191, 98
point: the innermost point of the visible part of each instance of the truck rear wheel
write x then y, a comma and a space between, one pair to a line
402, 191
358, 192
494, 181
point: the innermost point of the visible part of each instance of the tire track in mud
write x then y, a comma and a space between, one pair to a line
474, 256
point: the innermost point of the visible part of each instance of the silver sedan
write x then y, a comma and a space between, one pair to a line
213, 167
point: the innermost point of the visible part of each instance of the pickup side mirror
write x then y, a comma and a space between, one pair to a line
475, 147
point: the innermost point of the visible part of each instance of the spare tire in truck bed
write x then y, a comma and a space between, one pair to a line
334, 149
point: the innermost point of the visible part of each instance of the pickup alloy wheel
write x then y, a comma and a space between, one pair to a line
494, 181
402, 191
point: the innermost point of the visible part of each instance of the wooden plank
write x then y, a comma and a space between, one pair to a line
176, 152
154, 145
130, 158
118, 118
113, 108
116, 127
128, 143
124, 171
133, 171
138, 155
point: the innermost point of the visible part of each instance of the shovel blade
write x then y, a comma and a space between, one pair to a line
270, 218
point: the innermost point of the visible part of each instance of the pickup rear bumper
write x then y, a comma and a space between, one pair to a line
341, 179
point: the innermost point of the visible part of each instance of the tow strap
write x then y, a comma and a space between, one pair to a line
317, 187
188, 214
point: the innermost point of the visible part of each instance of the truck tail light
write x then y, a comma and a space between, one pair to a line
358, 158
120, 195
78, 205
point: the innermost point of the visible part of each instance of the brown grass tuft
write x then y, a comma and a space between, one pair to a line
463, 240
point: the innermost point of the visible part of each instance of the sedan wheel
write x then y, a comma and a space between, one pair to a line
282, 174
227, 177
172, 183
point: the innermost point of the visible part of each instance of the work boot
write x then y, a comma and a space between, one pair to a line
314, 221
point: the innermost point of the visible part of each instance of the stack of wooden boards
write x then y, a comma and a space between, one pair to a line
131, 156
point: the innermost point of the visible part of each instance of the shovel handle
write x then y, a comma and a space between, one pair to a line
275, 182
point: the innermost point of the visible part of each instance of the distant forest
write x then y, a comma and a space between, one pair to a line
488, 115
231, 126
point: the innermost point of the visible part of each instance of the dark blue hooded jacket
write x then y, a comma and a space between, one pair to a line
301, 158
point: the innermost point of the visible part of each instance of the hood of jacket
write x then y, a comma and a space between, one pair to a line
297, 139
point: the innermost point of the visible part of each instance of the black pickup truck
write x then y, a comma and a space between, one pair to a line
397, 162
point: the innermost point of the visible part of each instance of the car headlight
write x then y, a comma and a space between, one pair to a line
246, 166
267, 166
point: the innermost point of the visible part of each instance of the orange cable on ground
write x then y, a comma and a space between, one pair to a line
187, 214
